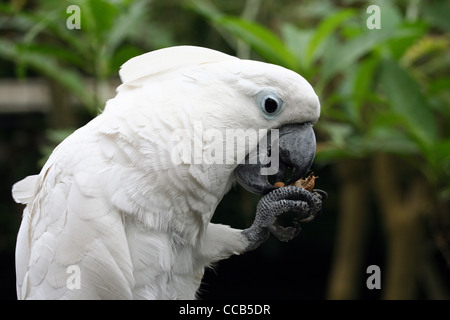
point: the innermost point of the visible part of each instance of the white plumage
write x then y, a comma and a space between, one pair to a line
112, 202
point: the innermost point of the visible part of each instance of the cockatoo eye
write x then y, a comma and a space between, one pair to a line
270, 104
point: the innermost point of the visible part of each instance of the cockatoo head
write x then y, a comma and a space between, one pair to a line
242, 116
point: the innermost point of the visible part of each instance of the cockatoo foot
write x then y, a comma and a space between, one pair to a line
304, 204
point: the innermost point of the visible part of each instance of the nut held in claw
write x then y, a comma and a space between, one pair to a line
307, 183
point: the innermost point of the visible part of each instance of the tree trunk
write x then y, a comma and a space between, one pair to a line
61, 114
401, 213
352, 230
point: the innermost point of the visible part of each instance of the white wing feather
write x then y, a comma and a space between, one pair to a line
70, 222
24, 190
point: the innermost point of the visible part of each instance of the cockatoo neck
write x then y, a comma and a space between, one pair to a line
172, 171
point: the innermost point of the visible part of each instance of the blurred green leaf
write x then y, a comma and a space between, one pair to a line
47, 23
340, 56
126, 24
296, 40
97, 19
337, 131
405, 36
390, 16
211, 13
268, 45
328, 152
436, 13
204, 8
56, 51
440, 155
384, 133
48, 66
406, 98
362, 86
324, 30
439, 84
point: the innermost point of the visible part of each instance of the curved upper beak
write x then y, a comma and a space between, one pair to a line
288, 156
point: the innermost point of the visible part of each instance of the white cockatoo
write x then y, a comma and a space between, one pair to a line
122, 208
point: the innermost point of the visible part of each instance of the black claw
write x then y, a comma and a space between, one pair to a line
322, 194
285, 233
297, 228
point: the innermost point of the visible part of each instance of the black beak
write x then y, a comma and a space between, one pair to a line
296, 146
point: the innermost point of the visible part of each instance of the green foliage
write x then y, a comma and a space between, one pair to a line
261, 39
111, 33
265, 42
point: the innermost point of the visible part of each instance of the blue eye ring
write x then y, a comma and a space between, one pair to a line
271, 105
